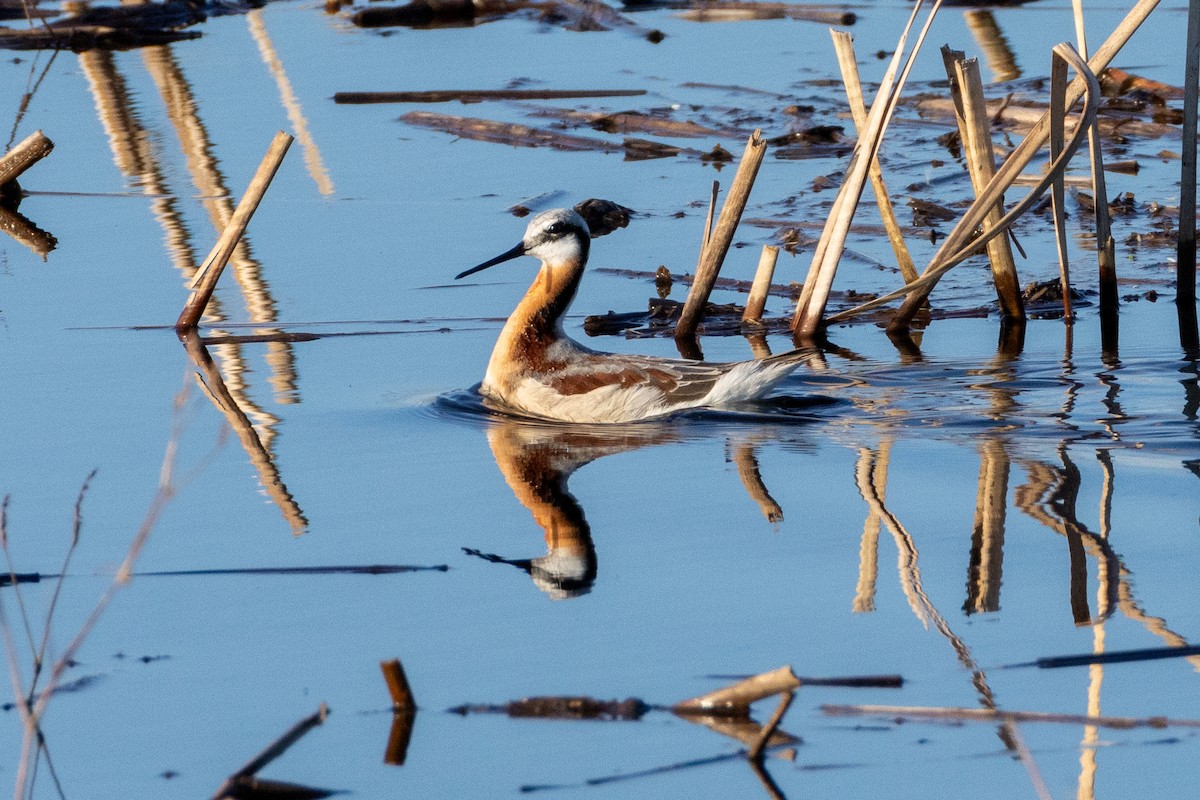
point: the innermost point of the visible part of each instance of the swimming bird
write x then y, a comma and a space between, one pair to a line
537, 370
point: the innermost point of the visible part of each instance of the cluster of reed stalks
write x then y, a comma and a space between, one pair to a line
986, 223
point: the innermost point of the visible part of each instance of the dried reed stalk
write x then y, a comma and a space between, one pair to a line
755, 752
713, 254
757, 300
975, 130
962, 242
1058, 121
1185, 276
843, 45
708, 220
32, 149
735, 700
209, 273
992, 715
1084, 84
807, 320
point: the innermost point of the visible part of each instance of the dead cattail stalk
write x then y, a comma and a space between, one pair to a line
756, 750
735, 700
993, 715
962, 242
975, 128
714, 251
32, 149
397, 684
1185, 276
757, 300
210, 272
843, 45
1058, 117
1084, 83
811, 308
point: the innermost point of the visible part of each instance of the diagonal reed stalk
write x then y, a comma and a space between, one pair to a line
811, 308
843, 45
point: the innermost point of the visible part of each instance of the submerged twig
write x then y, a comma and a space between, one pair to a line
479, 95
994, 715
756, 750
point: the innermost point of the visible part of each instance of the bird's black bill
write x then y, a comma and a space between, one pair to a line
509, 255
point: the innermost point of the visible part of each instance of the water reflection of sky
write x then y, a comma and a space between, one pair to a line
1020, 498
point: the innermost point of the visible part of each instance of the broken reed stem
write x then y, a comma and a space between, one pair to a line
713, 254
756, 750
210, 271
1084, 82
977, 147
708, 221
397, 684
1057, 136
735, 700
32, 149
757, 301
992, 715
807, 320
843, 45
1185, 275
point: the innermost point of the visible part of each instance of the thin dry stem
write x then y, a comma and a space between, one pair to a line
843, 44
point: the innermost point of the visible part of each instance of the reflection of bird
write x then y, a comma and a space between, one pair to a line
538, 370
536, 461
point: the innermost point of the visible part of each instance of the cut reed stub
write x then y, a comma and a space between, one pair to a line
397, 684
32, 149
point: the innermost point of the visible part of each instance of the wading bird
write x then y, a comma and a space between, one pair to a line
536, 369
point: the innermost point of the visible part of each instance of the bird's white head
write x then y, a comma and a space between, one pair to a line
558, 236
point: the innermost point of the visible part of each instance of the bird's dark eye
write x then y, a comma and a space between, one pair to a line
556, 228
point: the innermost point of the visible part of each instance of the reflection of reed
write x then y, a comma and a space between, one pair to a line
312, 154
1048, 498
745, 458
987, 535
202, 164
987, 33
868, 551
260, 456
136, 159
133, 154
910, 583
